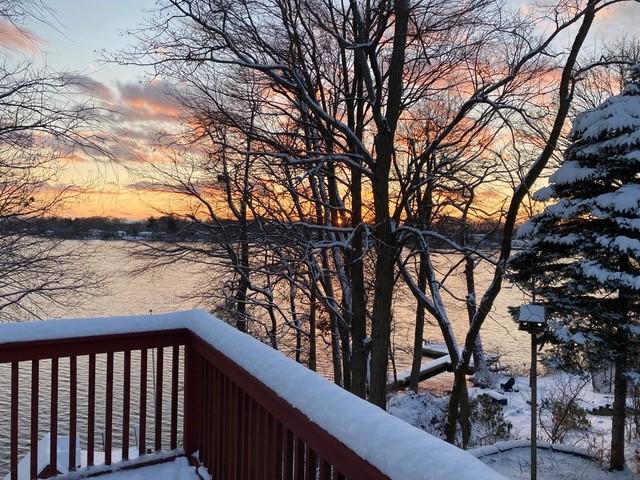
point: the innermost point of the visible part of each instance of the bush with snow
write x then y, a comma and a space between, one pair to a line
489, 424
560, 411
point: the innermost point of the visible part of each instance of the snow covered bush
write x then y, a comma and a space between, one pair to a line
581, 255
489, 424
422, 410
559, 412
428, 412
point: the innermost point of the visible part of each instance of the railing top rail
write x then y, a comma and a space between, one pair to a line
80, 336
394, 447
75, 346
74, 328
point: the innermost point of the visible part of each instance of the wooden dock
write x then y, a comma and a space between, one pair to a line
439, 362
427, 370
434, 350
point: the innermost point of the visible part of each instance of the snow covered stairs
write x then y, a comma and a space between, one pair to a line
44, 467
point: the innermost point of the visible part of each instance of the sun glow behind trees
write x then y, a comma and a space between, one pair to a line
75, 42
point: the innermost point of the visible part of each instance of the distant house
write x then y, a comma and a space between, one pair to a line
95, 233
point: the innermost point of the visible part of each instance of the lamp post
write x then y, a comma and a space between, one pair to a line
532, 319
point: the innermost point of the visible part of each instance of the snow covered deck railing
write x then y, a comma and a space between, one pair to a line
244, 409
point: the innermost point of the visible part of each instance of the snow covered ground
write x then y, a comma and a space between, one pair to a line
427, 411
179, 469
552, 465
595, 440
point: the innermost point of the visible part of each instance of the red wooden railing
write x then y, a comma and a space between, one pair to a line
54, 351
236, 426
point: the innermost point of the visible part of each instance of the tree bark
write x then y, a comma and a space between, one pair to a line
312, 328
616, 462
460, 397
243, 283
479, 358
419, 327
345, 346
358, 299
333, 322
465, 416
619, 415
381, 320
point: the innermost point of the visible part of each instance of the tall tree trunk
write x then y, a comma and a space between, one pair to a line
243, 286
419, 330
484, 307
619, 415
312, 328
335, 349
479, 358
465, 416
333, 319
356, 120
386, 241
460, 397
345, 345
381, 319
243, 283
295, 318
620, 381
358, 298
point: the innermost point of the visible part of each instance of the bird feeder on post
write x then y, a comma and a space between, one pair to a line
532, 320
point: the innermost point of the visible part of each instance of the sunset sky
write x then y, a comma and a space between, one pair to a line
73, 42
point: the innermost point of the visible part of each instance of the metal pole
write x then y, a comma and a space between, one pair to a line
534, 404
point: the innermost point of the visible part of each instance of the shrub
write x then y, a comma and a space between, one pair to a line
559, 411
488, 420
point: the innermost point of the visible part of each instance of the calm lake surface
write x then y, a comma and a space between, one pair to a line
166, 291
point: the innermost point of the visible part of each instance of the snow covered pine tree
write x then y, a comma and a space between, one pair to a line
581, 254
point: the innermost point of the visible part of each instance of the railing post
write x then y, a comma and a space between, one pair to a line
193, 400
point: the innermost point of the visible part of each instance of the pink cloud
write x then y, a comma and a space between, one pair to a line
618, 19
14, 37
150, 100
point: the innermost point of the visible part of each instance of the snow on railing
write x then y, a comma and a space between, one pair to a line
248, 407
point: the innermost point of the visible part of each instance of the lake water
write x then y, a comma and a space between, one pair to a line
167, 290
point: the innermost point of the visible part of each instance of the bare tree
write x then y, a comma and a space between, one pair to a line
602, 74
41, 123
340, 163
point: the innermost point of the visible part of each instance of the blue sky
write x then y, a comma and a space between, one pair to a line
86, 27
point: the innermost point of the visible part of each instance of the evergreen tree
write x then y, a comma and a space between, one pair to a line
582, 253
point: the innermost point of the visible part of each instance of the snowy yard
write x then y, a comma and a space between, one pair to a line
179, 469
552, 465
426, 411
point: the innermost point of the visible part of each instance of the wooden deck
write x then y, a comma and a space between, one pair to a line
235, 424
195, 390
